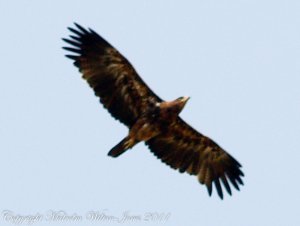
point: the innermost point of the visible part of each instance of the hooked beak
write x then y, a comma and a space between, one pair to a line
183, 102
185, 99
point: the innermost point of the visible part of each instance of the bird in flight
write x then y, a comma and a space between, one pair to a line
149, 118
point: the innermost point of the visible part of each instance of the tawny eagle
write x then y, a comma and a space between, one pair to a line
149, 118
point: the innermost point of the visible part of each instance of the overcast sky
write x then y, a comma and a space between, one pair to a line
238, 60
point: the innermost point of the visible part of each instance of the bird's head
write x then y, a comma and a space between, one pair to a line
181, 102
170, 109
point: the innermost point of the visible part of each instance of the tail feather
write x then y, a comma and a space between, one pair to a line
121, 147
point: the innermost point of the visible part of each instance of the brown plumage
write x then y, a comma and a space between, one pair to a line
150, 119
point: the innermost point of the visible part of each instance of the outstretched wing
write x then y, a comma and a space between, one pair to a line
111, 76
183, 148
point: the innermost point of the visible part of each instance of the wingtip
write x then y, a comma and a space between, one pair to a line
240, 181
74, 50
72, 57
77, 25
209, 189
218, 187
70, 29
226, 185
81, 28
72, 42
77, 32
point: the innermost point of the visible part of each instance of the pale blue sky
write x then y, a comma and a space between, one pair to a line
238, 60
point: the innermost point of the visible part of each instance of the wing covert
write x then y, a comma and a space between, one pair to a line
186, 150
110, 75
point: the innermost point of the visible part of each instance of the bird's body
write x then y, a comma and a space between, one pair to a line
155, 120
149, 118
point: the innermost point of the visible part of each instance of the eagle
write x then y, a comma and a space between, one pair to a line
148, 117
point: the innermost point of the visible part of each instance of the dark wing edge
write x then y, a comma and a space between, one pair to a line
186, 150
109, 74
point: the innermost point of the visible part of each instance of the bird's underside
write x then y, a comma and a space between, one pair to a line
150, 119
